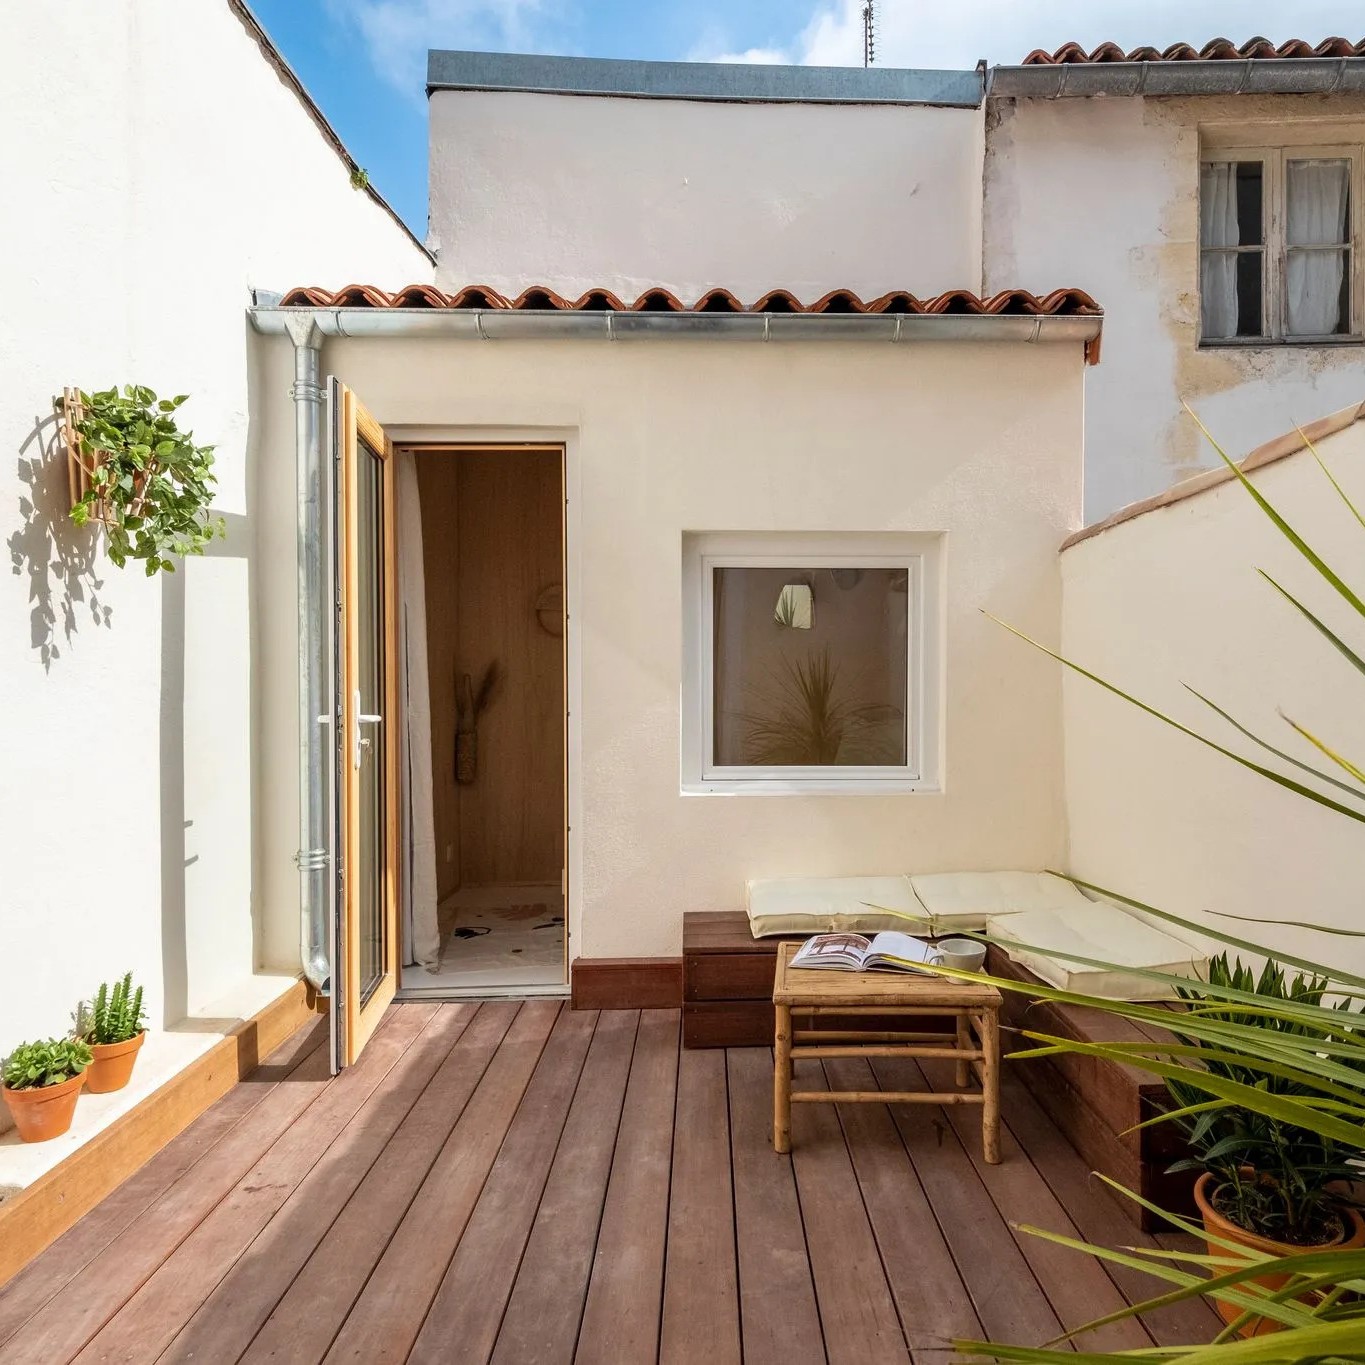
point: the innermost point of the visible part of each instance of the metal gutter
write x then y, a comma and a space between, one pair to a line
1248, 76
722, 81
492, 324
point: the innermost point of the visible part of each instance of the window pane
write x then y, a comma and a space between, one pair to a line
1230, 293
1318, 195
1317, 292
811, 667
1249, 294
1231, 204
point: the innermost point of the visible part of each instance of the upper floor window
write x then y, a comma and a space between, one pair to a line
1278, 245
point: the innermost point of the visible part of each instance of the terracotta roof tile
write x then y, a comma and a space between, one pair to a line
1059, 303
1219, 50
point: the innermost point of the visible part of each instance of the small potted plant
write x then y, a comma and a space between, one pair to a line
113, 1027
135, 471
42, 1082
1266, 1185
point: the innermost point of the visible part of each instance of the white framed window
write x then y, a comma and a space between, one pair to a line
1279, 245
811, 662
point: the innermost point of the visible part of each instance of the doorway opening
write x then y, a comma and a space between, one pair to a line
481, 568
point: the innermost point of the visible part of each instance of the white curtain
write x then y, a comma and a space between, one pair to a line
1218, 228
417, 822
1318, 193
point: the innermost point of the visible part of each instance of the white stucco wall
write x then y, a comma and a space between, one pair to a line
156, 168
585, 191
1173, 597
1103, 194
982, 443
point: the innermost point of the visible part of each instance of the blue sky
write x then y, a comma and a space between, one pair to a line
364, 61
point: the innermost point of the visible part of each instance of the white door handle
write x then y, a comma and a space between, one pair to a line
360, 743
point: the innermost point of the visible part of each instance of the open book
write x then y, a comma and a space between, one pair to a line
888, 951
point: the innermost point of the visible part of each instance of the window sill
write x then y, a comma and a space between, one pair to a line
1277, 344
772, 786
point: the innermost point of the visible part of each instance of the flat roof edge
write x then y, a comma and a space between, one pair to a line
718, 81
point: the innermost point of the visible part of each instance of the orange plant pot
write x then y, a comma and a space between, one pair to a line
1353, 1237
43, 1112
113, 1064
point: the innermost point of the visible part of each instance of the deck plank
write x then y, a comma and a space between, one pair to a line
222, 1326
857, 1312
701, 1290
304, 1322
543, 1314
27, 1293
930, 1296
388, 1315
1004, 1292
1076, 1285
103, 1286
469, 1304
621, 1313
779, 1317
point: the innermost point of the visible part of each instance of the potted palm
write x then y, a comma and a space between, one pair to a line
1266, 1184
42, 1082
113, 1027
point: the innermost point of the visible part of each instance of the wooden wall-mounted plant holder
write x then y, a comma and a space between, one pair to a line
80, 467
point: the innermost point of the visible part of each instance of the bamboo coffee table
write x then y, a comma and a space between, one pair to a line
974, 1046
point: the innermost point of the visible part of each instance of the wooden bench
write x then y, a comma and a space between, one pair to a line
727, 1002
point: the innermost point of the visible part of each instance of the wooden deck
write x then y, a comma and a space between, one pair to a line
525, 1184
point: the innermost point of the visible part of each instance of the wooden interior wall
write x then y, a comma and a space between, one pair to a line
493, 525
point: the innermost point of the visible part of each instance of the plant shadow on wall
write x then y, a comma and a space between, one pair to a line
58, 558
1265, 1077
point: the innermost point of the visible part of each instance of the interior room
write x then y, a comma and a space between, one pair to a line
481, 607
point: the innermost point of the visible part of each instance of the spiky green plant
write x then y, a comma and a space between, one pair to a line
49, 1062
116, 1015
1247, 1056
807, 719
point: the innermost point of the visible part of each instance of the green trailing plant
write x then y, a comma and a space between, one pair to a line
116, 1014
1272, 1178
49, 1062
1274, 1064
807, 718
149, 482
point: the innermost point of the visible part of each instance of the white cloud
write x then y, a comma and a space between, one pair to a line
397, 33
930, 33
754, 56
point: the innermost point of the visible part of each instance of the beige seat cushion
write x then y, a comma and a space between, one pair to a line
821, 905
966, 900
1103, 932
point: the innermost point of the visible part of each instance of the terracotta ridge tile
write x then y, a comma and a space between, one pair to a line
1216, 50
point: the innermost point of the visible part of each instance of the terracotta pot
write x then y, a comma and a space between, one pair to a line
113, 1065
1354, 1236
44, 1111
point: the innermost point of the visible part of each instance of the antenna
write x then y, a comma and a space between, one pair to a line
869, 34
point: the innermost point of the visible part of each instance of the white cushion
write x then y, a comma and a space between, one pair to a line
965, 900
1103, 932
821, 905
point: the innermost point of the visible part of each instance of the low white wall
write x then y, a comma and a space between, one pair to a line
156, 168
1173, 597
982, 443
1103, 194
580, 192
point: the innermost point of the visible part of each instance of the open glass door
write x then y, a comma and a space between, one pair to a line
364, 711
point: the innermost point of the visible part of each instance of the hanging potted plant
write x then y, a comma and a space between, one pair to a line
1266, 1185
113, 1027
42, 1082
136, 472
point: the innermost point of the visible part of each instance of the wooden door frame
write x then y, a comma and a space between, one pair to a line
360, 1019
491, 446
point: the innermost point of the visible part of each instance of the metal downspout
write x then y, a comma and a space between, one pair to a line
312, 858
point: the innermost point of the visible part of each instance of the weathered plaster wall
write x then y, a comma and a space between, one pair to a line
578, 192
982, 443
1173, 597
156, 168
1103, 193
